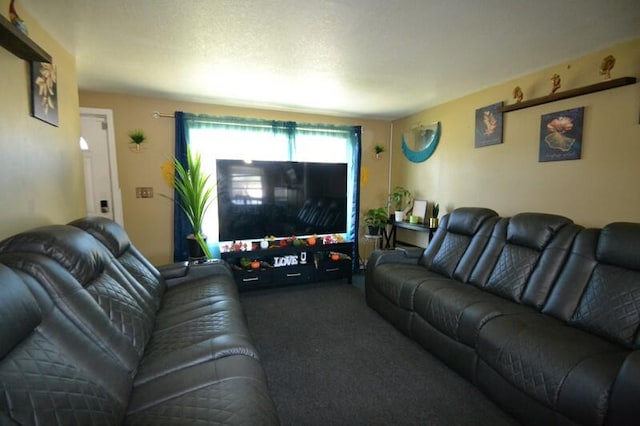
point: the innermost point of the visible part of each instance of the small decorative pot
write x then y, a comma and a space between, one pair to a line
195, 251
399, 215
433, 222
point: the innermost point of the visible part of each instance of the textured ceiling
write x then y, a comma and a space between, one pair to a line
365, 58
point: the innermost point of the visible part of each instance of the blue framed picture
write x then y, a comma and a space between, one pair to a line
489, 125
561, 135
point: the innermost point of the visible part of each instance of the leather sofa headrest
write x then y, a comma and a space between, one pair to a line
467, 220
77, 251
108, 232
534, 230
619, 244
19, 311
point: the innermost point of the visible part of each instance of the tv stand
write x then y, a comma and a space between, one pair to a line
291, 265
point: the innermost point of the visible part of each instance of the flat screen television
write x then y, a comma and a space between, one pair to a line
280, 198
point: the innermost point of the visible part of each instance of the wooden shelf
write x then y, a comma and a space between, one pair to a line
605, 85
19, 44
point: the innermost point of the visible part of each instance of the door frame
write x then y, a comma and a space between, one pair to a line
116, 193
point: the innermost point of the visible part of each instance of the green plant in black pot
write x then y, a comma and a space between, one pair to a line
375, 219
194, 195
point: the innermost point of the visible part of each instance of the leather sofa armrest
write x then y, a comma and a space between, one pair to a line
199, 270
409, 255
173, 270
398, 255
411, 252
624, 408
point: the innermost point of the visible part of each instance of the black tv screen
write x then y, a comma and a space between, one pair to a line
280, 198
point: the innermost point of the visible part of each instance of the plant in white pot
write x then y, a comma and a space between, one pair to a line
400, 200
194, 195
137, 138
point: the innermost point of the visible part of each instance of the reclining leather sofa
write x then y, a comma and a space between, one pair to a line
541, 314
92, 333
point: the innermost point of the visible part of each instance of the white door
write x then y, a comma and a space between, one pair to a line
102, 190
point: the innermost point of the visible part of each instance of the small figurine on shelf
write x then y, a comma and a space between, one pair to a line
556, 83
16, 20
606, 66
518, 94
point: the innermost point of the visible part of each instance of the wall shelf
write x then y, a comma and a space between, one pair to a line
19, 44
605, 85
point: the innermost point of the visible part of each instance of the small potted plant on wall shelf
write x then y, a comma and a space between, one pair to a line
378, 149
137, 138
433, 220
400, 199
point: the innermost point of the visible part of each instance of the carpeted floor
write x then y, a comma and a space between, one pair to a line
331, 360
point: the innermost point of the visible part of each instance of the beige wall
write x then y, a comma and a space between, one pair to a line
40, 165
600, 188
149, 221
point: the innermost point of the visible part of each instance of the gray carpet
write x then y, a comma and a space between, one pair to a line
331, 360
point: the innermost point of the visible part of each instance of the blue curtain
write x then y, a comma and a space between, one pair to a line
184, 122
181, 226
356, 159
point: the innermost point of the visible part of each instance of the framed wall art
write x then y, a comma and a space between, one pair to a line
44, 92
561, 135
489, 125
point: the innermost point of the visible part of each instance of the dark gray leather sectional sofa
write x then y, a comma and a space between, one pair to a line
540, 313
92, 333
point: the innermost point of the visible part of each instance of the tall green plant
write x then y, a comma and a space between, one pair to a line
194, 193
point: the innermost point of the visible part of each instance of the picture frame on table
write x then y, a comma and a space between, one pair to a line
419, 210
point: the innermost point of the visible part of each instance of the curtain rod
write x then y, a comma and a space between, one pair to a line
157, 114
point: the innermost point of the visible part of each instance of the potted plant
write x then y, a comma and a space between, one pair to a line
137, 137
375, 219
378, 149
400, 199
194, 196
433, 220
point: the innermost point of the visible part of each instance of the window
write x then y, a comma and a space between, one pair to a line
246, 139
